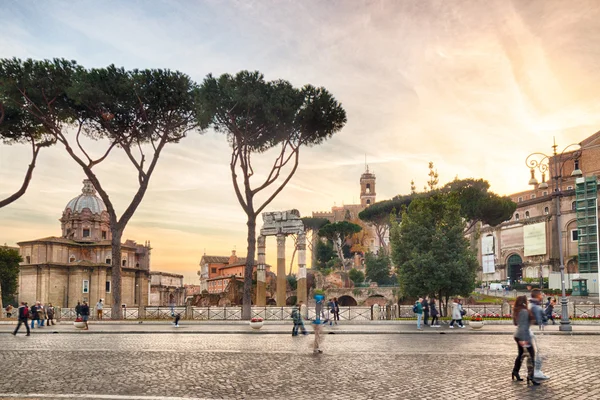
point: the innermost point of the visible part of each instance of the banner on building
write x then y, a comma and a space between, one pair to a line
487, 245
534, 239
488, 264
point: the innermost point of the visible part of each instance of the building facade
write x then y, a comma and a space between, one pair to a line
166, 289
526, 246
216, 271
77, 265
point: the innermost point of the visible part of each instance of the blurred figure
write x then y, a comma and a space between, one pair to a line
23, 315
522, 318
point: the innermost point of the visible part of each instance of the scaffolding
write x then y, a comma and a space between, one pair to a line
586, 197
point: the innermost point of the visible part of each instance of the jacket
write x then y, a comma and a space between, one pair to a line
50, 312
85, 310
433, 310
456, 309
296, 315
425, 305
523, 333
33, 312
537, 311
419, 308
23, 312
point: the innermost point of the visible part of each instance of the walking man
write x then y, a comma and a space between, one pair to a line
298, 323
550, 310
418, 309
78, 310
33, 312
23, 315
85, 314
457, 314
99, 308
50, 314
425, 304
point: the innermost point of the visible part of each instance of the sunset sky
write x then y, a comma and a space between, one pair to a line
473, 86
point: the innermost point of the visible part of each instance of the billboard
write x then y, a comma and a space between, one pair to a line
487, 245
488, 264
534, 239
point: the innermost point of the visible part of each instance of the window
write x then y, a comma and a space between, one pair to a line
526, 214
573, 205
86, 233
107, 287
516, 216
574, 235
28, 259
124, 263
533, 196
520, 199
576, 164
86, 286
103, 234
368, 201
137, 265
213, 270
569, 187
545, 193
546, 211
72, 259
108, 261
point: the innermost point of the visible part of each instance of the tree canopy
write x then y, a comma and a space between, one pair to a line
356, 276
429, 249
378, 268
258, 115
339, 233
9, 273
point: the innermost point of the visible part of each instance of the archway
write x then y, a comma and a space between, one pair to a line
291, 301
572, 267
271, 302
514, 264
172, 299
375, 299
347, 301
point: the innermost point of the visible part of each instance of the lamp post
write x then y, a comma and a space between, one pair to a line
543, 163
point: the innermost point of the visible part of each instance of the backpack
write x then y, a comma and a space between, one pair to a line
415, 308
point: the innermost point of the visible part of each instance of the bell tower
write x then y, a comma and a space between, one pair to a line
367, 188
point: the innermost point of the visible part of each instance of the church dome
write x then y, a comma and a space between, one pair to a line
87, 199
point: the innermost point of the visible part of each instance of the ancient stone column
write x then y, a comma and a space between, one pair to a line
281, 279
261, 281
301, 289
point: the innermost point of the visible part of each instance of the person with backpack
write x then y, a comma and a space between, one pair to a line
34, 315
297, 318
434, 314
418, 309
23, 315
85, 314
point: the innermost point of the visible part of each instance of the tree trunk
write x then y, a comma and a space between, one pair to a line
247, 298
116, 274
442, 313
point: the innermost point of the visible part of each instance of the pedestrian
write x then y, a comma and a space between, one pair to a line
42, 314
297, 318
550, 310
85, 314
176, 321
425, 304
33, 314
336, 312
539, 317
457, 314
22, 315
330, 311
418, 309
78, 310
434, 313
50, 314
99, 308
9, 310
318, 328
522, 318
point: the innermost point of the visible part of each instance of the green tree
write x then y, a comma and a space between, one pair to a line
430, 251
324, 253
339, 233
356, 276
378, 268
311, 229
9, 273
138, 112
257, 116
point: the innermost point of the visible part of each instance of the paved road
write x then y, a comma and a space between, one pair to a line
269, 366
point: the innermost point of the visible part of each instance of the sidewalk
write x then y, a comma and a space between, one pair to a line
283, 328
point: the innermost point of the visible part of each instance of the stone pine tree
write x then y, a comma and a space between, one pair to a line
18, 127
339, 233
378, 268
138, 112
259, 116
430, 251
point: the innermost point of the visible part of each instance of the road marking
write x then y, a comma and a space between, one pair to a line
92, 396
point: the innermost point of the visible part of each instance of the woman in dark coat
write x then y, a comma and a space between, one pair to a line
434, 314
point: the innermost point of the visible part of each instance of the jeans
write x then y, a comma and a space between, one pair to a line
22, 321
425, 316
434, 319
419, 317
298, 325
33, 322
459, 321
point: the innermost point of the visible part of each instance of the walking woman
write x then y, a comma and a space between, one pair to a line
522, 318
434, 314
457, 314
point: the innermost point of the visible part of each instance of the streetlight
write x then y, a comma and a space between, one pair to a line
542, 162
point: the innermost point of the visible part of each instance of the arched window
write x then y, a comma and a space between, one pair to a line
72, 259
526, 214
124, 263
546, 211
573, 205
368, 201
108, 261
516, 216
28, 259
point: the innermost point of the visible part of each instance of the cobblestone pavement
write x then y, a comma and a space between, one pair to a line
237, 366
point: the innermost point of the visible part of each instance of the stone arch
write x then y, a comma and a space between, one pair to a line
375, 299
291, 301
271, 302
514, 267
572, 266
347, 301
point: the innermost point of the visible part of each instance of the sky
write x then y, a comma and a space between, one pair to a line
472, 86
